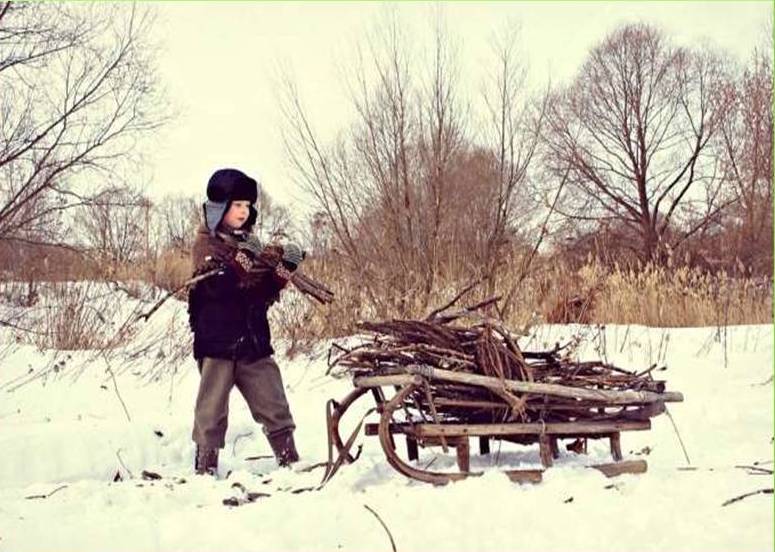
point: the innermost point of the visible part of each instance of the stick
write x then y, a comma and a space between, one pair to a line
118, 455
115, 386
311, 467
236, 440
332, 468
379, 519
675, 427
185, 284
31, 497
260, 457
303, 283
756, 469
612, 397
746, 495
457, 297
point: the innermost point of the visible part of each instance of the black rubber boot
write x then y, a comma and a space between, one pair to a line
284, 447
206, 461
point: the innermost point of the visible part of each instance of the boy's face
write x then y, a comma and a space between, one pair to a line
238, 213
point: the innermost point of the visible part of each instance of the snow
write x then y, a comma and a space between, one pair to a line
65, 432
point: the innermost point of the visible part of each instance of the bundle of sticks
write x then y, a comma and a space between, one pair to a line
267, 261
465, 345
270, 257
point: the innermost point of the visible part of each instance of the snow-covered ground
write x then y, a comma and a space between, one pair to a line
66, 438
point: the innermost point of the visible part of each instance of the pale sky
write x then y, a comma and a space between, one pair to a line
218, 62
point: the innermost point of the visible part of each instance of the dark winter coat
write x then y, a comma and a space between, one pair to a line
228, 315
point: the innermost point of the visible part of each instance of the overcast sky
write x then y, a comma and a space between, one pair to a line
218, 62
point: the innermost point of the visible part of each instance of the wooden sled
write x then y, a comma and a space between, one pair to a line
426, 421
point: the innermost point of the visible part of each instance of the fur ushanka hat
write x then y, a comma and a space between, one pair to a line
225, 186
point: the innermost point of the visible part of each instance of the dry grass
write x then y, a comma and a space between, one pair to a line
72, 320
552, 292
651, 296
683, 297
167, 271
59, 315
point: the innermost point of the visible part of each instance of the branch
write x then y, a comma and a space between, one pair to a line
390, 536
746, 495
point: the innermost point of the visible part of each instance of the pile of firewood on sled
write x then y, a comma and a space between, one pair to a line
461, 374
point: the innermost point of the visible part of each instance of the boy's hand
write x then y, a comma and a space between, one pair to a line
241, 263
292, 255
283, 273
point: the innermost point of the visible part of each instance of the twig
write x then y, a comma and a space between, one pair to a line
31, 497
457, 297
115, 386
312, 467
525, 268
746, 495
430, 463
146, 315
498, 454
121, 461
624, 339
390, 536
236, 439
646, 371
15, 327
675, 427
756, 469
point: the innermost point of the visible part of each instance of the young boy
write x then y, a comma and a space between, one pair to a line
228, 315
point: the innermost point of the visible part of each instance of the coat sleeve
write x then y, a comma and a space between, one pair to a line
267, 287
222, 285
218, 288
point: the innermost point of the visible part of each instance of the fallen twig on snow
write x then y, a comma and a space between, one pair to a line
681, 441
115, 386
259, 457
390, 536
756, 470
31, 497
312, 467
746, 495
236, 440
121, 461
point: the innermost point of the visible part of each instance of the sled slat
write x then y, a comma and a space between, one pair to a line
565, 428
378, 381
609, 397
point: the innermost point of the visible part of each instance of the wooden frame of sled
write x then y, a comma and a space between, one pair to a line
637, 407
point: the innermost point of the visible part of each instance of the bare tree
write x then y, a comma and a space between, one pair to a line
317, 233
441, 141
632, 132
746, 144
513, 133
384, 185
273, 220
115, 226
175, 222
79, 90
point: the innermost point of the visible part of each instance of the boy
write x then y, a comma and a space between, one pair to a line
228, 315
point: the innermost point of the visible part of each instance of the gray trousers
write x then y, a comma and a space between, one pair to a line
259, 383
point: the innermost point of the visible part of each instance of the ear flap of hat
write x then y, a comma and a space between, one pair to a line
213, 212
